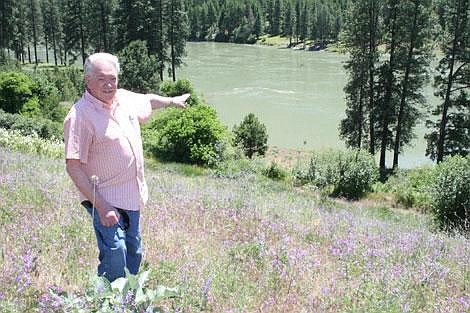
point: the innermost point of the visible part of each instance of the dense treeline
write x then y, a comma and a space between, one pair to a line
244, 21
391, 44
70, 30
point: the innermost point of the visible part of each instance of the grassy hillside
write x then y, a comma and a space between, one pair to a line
238, 243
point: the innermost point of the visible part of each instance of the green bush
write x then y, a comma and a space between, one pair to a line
275, 171
451, 193
49, 98
181, 86
69, 80
410, 188
251, 136
348, 174
44, 128
30, 96
16, 89
193, 135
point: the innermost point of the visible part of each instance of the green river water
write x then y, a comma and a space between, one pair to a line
298, 95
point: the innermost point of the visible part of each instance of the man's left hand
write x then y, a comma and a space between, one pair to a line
180, 101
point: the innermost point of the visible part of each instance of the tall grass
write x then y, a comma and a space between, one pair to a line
231, 244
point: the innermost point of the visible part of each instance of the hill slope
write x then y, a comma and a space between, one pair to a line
243, 244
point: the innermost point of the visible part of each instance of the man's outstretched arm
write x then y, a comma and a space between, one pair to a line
159, 102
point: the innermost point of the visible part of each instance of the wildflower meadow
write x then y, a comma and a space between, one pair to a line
226, 243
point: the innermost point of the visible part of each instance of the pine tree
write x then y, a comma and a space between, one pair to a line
6, 27
288, 28
74, 31
258, 25
100, 14
177, 32
361, 36
34, 16
415, 52
158, 44
51, 27
387, 97
352, 128
276, 19
20, 36
450, 135
303, 31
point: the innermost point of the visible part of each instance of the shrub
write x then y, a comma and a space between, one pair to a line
193, 135
69, 80
275, 171
410, 188
181, 86
48, 97
348, 174
30, 96
44, 128
451, 193
251, 136
357, 173
16, 89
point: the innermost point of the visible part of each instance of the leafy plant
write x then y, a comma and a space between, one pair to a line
275, 171
194, 135
30, 96
451, 193
170, 88
410, 188
16, 90
251, 135
44, 128
348, 174
126, 294
69, 80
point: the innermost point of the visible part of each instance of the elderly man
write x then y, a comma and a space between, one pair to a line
104, 158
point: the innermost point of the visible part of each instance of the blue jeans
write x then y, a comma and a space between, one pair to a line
119, 245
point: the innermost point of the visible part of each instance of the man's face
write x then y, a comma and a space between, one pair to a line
102, 81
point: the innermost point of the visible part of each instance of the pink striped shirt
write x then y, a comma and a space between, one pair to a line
108, 143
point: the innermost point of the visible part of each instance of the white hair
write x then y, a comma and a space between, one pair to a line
100, 56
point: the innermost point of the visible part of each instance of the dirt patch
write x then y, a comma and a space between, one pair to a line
288, 158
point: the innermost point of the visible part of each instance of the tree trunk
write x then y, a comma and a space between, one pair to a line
172, 40
361, 109
372, 42
388, 92
446, 104
54, 47
47, 49
104, 27
82, 33
161, 51
396, 150
35, 39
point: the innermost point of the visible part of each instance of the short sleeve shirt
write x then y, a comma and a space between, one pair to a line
108, 143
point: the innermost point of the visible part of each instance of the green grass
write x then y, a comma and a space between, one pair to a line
273, 40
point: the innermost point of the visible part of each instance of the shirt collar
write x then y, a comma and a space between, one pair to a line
98, 104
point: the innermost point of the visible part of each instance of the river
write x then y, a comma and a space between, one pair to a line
298, 95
